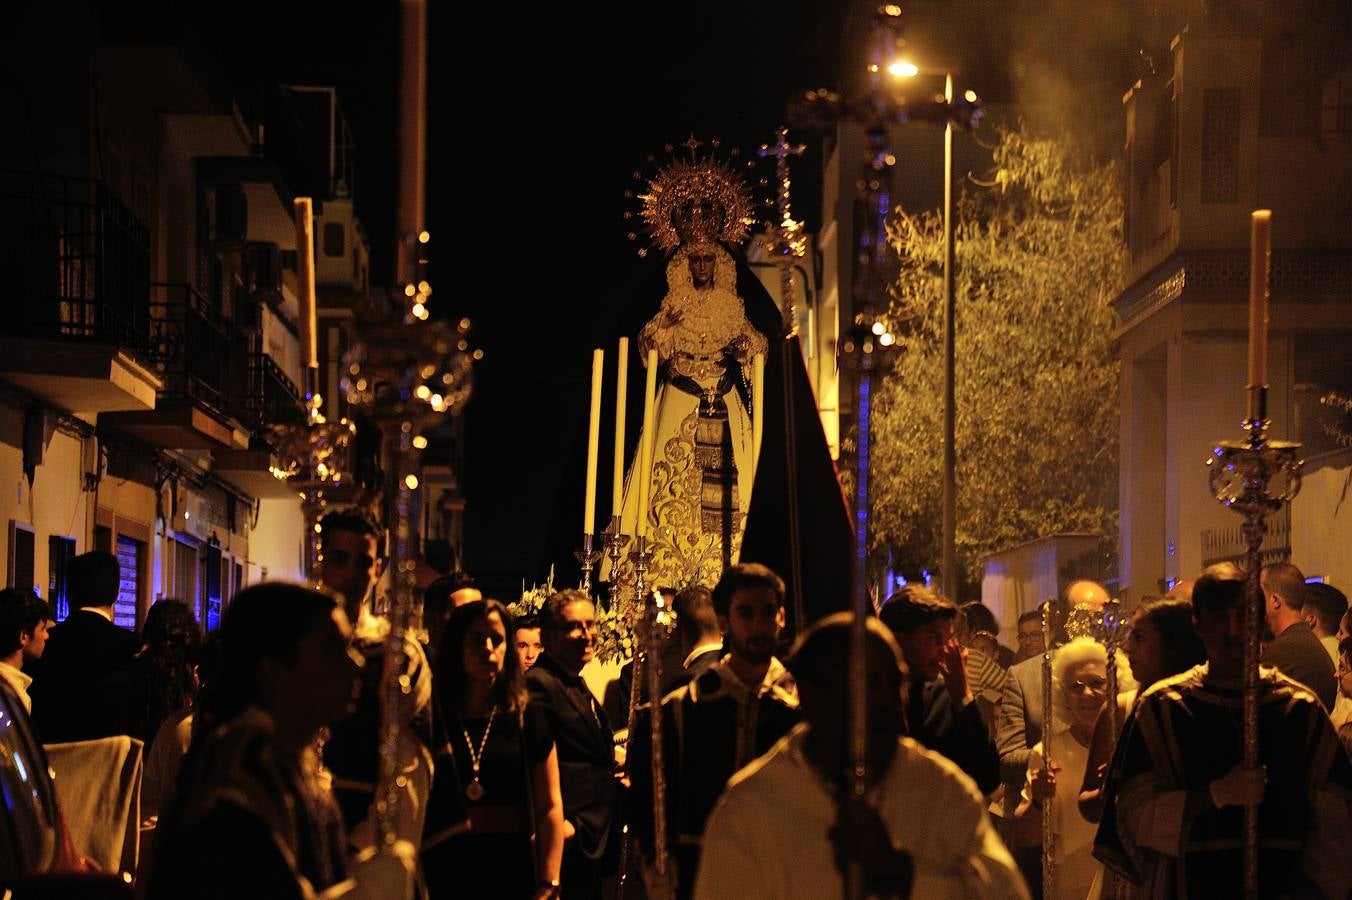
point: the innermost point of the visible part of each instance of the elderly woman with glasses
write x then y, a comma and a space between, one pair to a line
1079, 688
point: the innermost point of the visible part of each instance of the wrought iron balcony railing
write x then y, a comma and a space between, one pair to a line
274, 397
74, 262
202, 355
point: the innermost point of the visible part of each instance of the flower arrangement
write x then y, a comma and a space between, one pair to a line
532, 598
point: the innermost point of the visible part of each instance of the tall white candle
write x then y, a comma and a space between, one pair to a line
1260, 254
621, 397
757, 413
305, 283
593, 440
645, 470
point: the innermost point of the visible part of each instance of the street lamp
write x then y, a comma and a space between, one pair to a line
949, 572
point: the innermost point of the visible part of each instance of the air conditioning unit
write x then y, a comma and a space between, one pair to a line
189, 512
225, 215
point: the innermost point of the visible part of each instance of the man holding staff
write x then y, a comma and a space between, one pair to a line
1172, 821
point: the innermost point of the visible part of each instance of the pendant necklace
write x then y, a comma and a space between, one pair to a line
475, 790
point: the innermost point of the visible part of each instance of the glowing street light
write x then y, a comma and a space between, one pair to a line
905, 69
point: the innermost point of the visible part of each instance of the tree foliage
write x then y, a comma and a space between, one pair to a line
1038, 251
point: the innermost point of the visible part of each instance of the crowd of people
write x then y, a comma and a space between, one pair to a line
284, 755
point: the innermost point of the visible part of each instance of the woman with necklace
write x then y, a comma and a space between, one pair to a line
504, 762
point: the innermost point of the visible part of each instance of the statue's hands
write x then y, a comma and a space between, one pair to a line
739, 347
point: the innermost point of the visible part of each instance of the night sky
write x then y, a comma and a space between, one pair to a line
531, 156
537, 117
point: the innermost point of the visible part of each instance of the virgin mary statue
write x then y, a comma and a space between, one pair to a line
702, 445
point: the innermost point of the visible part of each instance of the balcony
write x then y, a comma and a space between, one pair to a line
272, 400
74, 274
203, 360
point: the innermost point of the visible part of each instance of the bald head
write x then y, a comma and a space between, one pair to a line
1086, 593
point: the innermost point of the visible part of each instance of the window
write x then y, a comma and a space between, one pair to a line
140, 195
211, 587
334, 239
60, 551
114, 169
1323, 365
185, 576
21, 549
1336, 109
130, 561
1220, 145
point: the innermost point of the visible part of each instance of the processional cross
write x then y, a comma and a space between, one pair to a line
865, 347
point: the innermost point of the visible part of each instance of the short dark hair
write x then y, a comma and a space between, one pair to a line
353, 519
437, 595
1327, 603
267, 621
1345, 647
916, 605
551, 612
93, 579
529, 620
1286, 580
1213, 593
745, 575
980, 617
1033, 615
695, 616
20, 610
825, 647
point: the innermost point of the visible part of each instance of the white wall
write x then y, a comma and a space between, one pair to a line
1018, 579
55, 506
277, 544
1321, 521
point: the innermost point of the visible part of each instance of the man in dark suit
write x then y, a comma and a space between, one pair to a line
698, 646
699, 632
77, 694
582, 737
1295, 650
941, 711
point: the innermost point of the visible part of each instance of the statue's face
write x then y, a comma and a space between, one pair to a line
702, 268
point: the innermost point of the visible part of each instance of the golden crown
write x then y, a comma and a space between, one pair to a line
696, 200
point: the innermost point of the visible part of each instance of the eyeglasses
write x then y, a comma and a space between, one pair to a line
1096, 686
1027, 637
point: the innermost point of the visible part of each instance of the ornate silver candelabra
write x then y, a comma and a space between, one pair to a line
312, 458
587, 558
615, 542
1254, 477
1108, 631
404, 372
